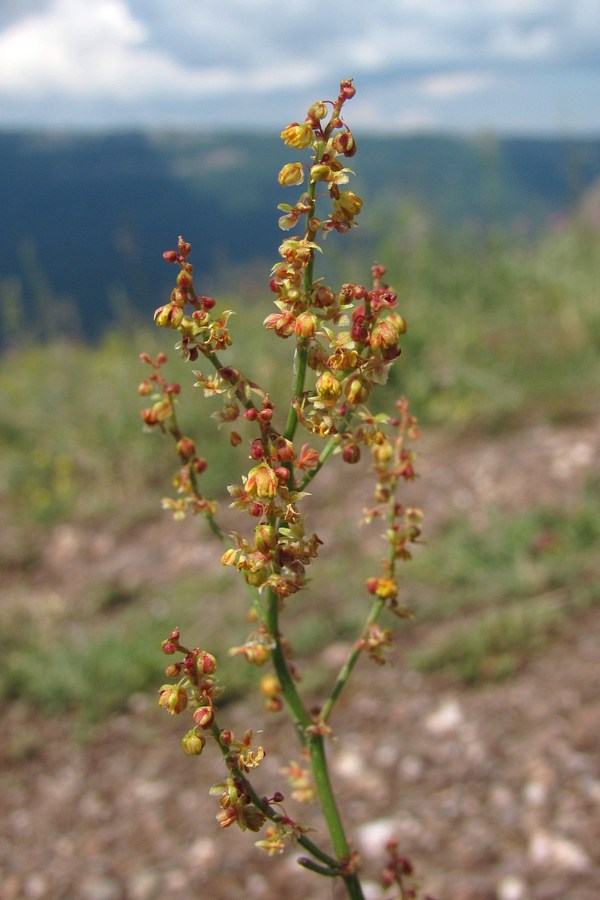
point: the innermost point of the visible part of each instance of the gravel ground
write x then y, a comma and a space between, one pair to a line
493, 793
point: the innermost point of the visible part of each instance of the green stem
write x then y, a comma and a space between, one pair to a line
303, 723
331, 813
301, 716
374, 614
301, 343
347, 668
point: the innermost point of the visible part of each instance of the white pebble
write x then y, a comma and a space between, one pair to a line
547, 849
446, 718
511, 888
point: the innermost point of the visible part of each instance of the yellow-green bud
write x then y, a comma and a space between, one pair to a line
298, 136
193, 743
383, 334
317, 110
382, 453
357, 390
328, 387
168, 316
348, 203
320, 172
292, 173
306, 325
263, 482
266, 537
172, 698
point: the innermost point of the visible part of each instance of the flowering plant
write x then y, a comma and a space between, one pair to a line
345, 340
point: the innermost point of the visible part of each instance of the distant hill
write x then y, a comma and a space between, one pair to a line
85, 218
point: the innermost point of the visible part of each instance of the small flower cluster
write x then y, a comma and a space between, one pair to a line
197, 686
394, 462
163, 415
400, 872
349, 335
200, 332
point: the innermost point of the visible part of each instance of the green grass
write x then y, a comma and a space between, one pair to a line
500, 331
504, 593
90, 661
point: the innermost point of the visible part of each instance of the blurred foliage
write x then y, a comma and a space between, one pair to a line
503, 591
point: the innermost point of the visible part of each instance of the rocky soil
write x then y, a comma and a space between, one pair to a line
493, 793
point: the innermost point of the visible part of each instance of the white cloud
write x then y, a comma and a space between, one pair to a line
150, 60
453, 84
72, 46
96, 48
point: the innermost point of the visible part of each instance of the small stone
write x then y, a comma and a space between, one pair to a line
373, 891
348, 765
100, 888
35, 886
202, 852
547, 849
445, 719
142, 885
535, 793
411, 768
511, 888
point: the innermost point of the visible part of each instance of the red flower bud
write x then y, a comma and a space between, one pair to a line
184, 280
206, 664
282, 473
257, 450
347, 89
186, 448
204, 716
351, 453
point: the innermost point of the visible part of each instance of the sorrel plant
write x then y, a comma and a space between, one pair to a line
344, 341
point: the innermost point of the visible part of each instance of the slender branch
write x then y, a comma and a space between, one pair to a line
302, 719
266, 807
348, 666
301, 343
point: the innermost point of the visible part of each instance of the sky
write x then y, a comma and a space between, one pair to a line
506, 66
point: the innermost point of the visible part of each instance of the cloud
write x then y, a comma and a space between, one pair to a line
454, 83
233, 61
72, 47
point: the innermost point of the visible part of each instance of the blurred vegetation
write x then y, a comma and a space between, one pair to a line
503, 331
